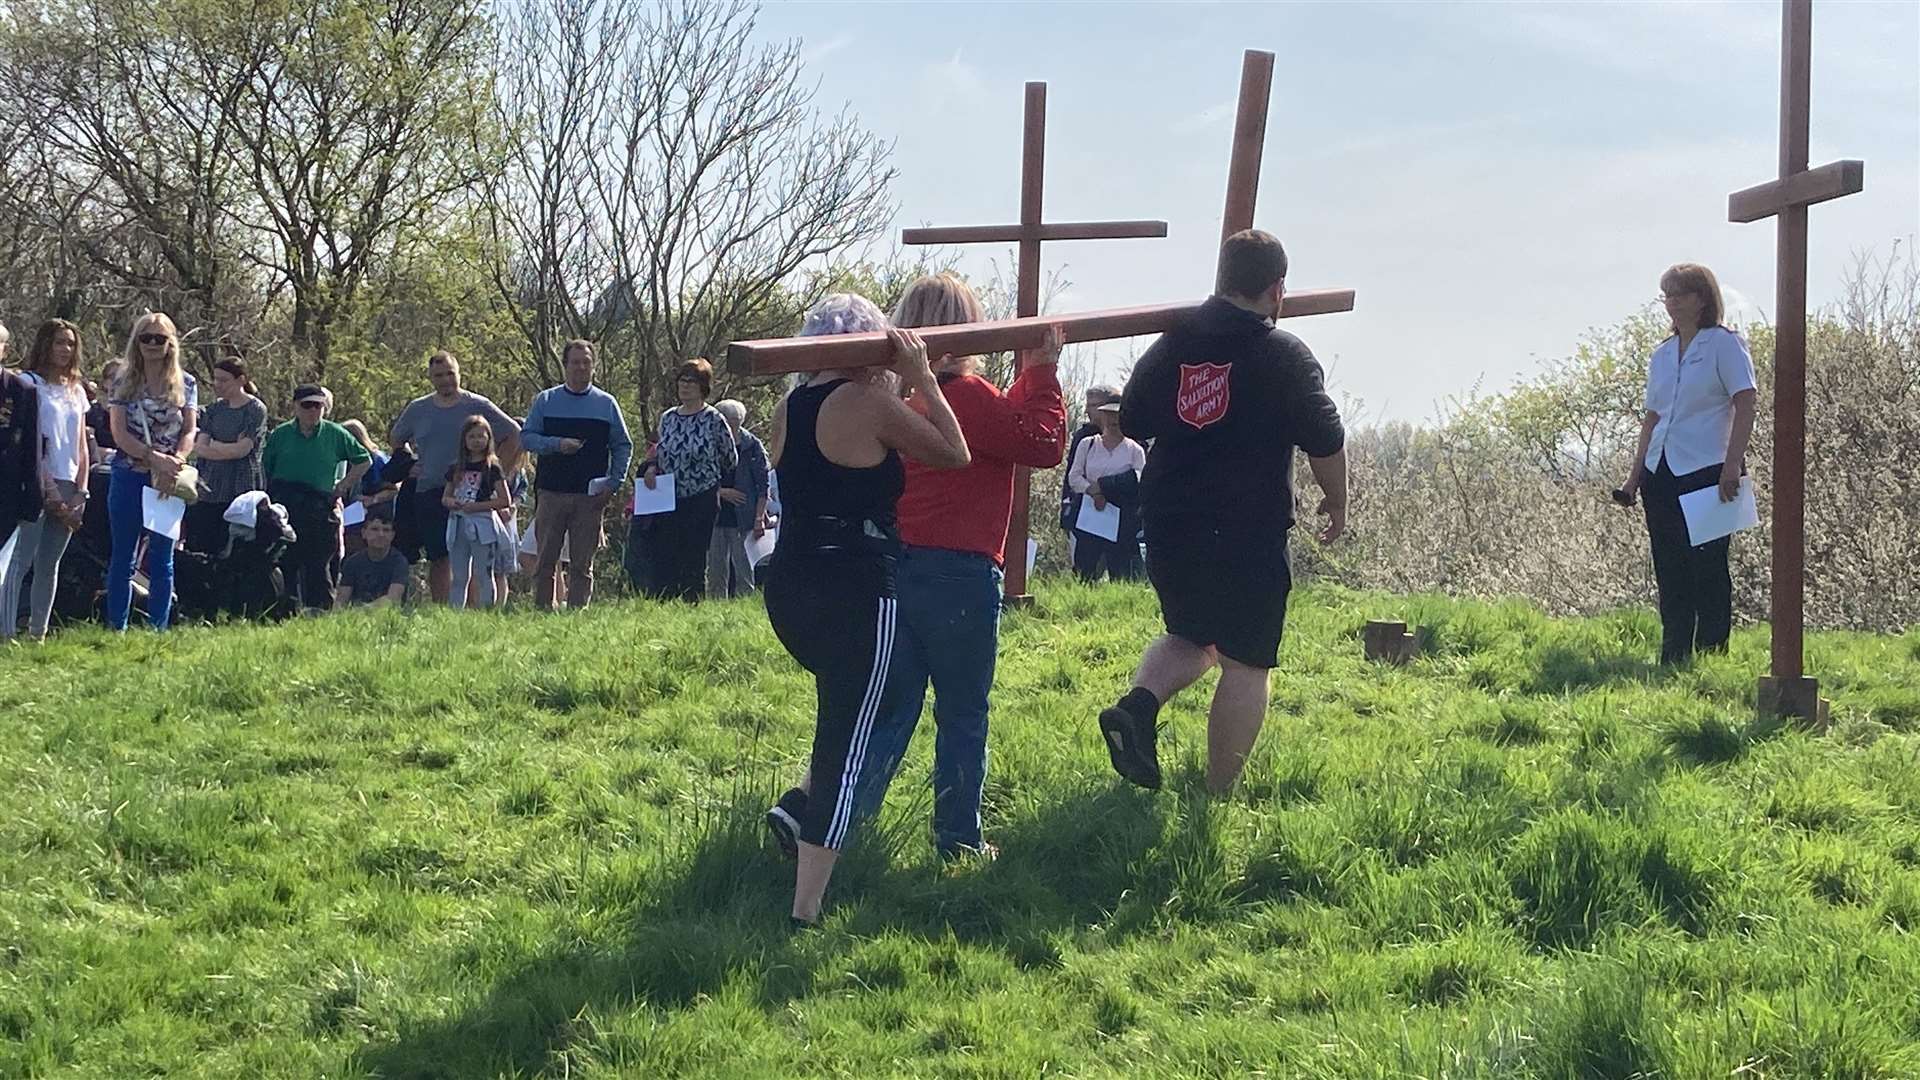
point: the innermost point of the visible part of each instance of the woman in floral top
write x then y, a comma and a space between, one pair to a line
155, 409
697, 448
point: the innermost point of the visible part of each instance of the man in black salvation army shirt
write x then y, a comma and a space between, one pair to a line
1225, 397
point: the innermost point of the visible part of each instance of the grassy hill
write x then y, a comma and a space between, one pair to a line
435, 845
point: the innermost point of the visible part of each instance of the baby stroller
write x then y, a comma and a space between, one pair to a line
242, 580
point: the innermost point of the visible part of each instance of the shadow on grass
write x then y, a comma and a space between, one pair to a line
1566, 669
714, 916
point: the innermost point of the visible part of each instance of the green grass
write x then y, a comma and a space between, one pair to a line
435, 845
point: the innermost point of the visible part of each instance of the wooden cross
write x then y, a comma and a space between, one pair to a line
1029, 233
1788, 691
1027, 330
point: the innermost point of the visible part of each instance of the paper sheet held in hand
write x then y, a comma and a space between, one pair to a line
1104, 524
1710, 519
160, 513
655, 500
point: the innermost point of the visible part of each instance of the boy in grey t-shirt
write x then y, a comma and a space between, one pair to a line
377, 576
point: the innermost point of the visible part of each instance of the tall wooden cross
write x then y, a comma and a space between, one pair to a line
1027, 330
1029, 233
1787, 691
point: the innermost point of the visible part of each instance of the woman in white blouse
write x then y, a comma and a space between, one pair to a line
1699, 414
54, 366
1112, 459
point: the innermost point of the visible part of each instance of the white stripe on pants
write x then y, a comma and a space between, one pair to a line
863, 724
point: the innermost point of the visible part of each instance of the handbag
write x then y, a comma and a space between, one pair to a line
186, 482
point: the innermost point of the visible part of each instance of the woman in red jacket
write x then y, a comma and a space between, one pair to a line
953, 523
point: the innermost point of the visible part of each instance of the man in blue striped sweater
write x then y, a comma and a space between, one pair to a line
581, 437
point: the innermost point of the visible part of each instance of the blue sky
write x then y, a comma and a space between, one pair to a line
1493, 178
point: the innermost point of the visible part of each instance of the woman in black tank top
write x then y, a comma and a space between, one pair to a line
837, 444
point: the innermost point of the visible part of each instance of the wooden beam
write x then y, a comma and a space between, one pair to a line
774, 356
1830, 181
1033, 173
1009, 234
1249, 142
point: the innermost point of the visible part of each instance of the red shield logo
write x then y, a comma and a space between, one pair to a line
1203, 394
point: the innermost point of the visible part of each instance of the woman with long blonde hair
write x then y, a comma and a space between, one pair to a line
155, 407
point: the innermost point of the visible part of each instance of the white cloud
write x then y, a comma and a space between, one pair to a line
1646, 38
814, 53
1216, 117
953, 81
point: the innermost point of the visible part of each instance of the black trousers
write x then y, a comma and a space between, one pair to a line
679, 547
836, 614
1120, 558
1696, 588
309, 563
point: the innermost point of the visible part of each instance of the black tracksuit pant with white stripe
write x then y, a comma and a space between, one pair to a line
835, 613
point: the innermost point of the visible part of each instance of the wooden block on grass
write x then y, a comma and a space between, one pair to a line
1390, 642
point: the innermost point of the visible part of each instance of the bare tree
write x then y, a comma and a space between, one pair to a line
558, 62
672, 182
135, 134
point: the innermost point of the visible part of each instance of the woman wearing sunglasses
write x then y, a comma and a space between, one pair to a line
154, 408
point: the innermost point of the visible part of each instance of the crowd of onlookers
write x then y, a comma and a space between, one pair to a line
130, 494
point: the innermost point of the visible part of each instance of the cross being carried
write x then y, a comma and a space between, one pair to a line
1027, 330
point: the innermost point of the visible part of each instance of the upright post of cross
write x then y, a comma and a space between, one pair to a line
1249, 142
1787, 691
1028, 234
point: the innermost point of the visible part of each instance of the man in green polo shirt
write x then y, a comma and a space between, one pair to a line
302, 462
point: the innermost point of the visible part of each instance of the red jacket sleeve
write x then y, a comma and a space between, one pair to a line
1027, 425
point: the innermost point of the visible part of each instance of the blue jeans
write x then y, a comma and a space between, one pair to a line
949, 633
124, 514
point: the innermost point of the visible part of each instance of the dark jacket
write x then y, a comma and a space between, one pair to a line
1123, 490
1225, 398
749, 477
21, 495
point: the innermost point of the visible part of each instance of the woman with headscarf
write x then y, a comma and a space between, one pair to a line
838, 442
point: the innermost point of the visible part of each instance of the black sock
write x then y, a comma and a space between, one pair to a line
1141, 704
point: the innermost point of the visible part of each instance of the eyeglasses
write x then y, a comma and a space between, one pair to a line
154, 339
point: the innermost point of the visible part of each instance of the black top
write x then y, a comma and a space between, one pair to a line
829, 507
100, 419
1225, 397
20, 495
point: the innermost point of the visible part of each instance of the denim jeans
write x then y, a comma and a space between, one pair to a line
124, 512
949, 626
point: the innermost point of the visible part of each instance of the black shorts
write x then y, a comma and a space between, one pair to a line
426, 534
1221, 585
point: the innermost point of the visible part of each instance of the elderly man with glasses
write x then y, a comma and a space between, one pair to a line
302, 465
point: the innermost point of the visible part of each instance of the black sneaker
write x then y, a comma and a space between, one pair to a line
1131, 747
783, 821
